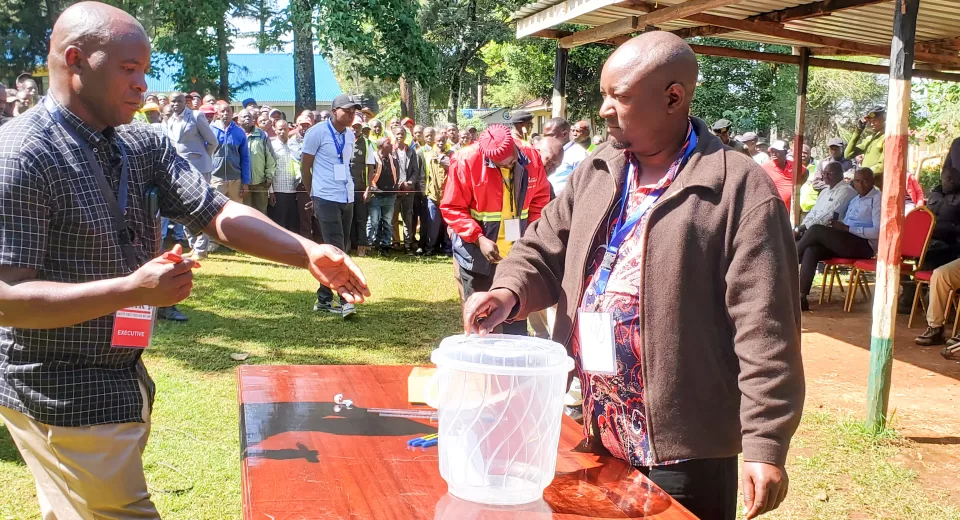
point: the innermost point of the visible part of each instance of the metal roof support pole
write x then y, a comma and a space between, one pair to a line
559, 101
801, 120
892, 218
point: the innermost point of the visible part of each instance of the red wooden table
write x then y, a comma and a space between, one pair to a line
303, 460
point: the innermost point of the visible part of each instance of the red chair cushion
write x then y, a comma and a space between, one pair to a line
871, 265
839, 261
923, 275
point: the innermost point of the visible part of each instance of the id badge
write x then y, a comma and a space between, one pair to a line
133, 327
339, 172
598, 351
512, 230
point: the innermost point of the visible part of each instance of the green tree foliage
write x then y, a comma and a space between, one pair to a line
837, 98
755, 96
936, 111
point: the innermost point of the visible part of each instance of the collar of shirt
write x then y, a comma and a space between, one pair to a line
84, 130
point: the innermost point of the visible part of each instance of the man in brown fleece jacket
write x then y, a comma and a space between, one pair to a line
675, 272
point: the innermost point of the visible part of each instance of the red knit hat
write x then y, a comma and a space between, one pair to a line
496, 143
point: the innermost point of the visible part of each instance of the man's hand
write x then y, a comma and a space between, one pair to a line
862, 123
309, 205
836, 224
764, 488
485, 310
273, 199
163, 283
489, 249
244, 189
337, 271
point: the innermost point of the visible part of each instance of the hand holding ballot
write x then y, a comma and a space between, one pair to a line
164, 280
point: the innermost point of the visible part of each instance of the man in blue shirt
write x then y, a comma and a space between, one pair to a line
855, 236
573, 153
325, 169
231, 161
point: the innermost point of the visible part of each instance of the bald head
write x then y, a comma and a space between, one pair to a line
98, 59
647, 84
551, 153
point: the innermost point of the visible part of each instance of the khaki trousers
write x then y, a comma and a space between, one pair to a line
89, 472
258, 197
229, 188
945, 279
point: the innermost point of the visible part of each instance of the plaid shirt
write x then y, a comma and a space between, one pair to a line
286, 178
54, 219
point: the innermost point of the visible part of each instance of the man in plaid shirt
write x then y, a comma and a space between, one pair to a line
77, 407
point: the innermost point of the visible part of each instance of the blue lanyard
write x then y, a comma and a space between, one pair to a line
624, 228
339, 145
116, 202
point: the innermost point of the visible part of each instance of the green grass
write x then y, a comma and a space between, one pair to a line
242, 304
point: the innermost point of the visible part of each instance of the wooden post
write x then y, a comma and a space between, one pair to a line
559, 101
891, 220
798, 166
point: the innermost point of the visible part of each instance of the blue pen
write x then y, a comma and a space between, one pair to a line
429, 444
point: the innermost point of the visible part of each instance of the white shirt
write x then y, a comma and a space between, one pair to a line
573, 155
831, 200
761, 158
319, 143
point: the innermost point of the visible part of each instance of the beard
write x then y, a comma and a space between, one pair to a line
619, 145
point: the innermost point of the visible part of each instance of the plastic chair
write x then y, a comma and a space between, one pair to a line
831, 274
917, 230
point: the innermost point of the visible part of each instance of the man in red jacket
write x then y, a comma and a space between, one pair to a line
493, 191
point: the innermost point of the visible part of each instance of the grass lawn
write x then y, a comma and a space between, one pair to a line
245, 305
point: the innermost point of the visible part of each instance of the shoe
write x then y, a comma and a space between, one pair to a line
953, 341
949, 351
196, 257
326, 307
347, 310
419, 252
171, 313
361, 251
409, 252
804, 304
931, 336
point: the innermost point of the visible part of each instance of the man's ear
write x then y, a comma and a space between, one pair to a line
676, 96
75, 59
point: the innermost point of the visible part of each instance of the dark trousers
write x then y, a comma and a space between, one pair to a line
820, 243
358, 231
405, 205
707, 487
421, 219
335, 220
285, 212
309, 227
435, 230
476, 282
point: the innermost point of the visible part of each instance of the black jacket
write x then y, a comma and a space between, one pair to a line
412, 173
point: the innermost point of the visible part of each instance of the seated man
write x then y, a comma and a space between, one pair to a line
855, 236
945, 279
833, 199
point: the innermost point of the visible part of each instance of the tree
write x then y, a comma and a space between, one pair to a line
269, 36
459, 29
300, 16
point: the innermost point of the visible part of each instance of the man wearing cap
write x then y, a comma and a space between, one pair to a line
363, 167
836, 148
231, 160
869, 143
494, 191
723, 129
151, 111
749, 140
522, 122
250, 103
325, 169
573, 153
780, 170
208, 112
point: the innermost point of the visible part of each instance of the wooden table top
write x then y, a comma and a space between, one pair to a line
303, 460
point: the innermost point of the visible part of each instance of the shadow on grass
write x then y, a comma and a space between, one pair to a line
8, 450
231, 314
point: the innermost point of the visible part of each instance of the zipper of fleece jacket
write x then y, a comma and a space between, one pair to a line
643, 342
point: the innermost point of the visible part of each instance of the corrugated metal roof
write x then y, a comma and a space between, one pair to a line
938, 19
276, 69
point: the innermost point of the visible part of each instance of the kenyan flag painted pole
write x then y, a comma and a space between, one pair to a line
891, 220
